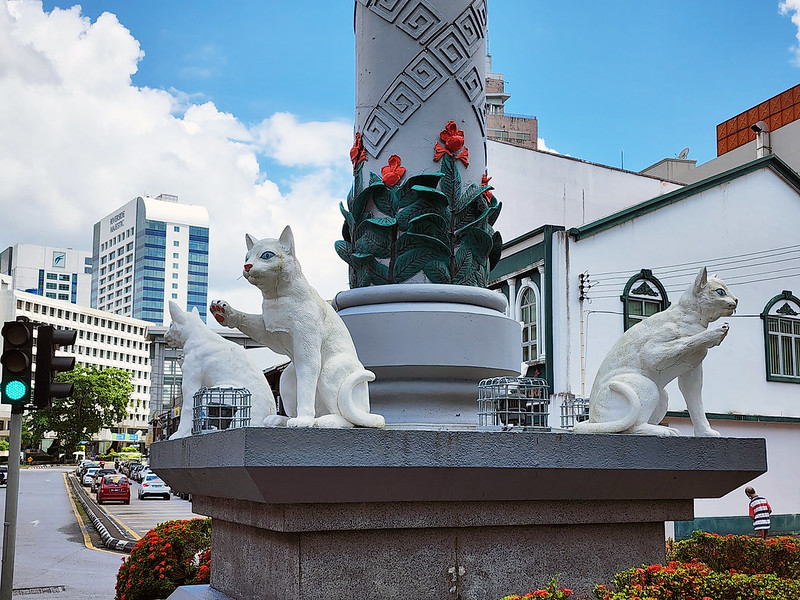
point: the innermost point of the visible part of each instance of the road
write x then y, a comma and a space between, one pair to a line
52, 559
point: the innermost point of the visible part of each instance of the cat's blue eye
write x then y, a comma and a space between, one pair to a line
267, 255
720, 292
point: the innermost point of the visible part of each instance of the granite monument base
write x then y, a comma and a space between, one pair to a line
334, 514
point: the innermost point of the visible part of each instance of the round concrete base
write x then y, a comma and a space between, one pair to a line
429, 346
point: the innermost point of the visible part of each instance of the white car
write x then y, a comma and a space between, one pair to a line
153, 485
88, 477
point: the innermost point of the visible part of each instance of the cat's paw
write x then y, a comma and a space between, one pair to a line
224, 313
300, 422
720, 333
707, 433
275, 421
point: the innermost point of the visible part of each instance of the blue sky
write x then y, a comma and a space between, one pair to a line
247, 107
642, 78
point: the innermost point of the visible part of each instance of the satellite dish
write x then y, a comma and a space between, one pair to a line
684, 153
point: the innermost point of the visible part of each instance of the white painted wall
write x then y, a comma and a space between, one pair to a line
753, 213
538, 188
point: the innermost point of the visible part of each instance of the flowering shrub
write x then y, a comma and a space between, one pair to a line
696, 581
173, 554
550, 592
744, 554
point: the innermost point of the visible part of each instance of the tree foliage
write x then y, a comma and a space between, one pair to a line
99, 399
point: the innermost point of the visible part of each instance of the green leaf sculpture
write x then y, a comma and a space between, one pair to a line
427, 225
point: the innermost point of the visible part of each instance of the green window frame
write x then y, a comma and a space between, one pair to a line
642, 297
781, 317
528, 313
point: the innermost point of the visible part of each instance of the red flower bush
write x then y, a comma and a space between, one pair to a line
742, 553
550, 592
173, 554
696, 581
393, 172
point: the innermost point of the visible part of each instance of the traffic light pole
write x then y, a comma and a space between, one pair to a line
12, 497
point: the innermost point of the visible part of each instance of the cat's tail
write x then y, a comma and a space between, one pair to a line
348, 405
629, 420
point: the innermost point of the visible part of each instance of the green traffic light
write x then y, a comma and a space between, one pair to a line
15, 389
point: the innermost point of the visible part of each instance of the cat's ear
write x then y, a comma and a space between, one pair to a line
287, 240
195, 311
250, 241
175, 312
701, 280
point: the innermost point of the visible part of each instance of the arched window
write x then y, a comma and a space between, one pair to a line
529, 316
643, 296
781, 318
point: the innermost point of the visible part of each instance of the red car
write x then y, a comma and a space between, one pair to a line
114, 487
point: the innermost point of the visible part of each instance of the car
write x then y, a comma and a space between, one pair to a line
80, 465
3, 474
86, 466
134, 471
89, 475
153, 485
98, 477
114, 487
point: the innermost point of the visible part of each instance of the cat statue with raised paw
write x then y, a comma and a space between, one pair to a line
325, 385
628, 394
209, 360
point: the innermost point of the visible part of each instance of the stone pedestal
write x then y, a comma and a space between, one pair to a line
417, 514
429, 346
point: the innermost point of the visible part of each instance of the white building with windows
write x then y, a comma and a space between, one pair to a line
148, 252
104, 339
57, 273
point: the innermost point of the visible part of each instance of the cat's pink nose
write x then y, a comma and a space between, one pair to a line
247, 268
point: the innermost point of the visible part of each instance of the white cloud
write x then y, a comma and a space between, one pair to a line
541, 145
79, 140
792, 7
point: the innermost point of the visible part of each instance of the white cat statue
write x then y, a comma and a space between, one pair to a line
325, 385
209, 360
628, 394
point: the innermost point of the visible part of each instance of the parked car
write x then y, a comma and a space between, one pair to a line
98, 477
114, 487
88, 475
87, 466
153, 485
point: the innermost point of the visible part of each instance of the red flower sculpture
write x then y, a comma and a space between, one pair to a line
485, 181
393, 172
357, 152
453, 139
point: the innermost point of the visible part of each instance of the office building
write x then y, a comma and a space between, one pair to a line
148, 252
104, 340
56, 273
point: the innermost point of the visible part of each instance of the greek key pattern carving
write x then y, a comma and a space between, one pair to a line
447, 52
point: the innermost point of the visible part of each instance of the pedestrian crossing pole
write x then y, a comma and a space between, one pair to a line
12, 497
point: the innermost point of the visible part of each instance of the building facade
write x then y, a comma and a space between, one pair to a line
520, 130
148, 252
103, 340
56, 273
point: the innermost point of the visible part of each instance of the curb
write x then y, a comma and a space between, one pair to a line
120, 542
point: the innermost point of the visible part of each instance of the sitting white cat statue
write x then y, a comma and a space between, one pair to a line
325, 385
628, 394
209, 360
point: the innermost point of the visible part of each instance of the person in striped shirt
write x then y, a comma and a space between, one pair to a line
759, 512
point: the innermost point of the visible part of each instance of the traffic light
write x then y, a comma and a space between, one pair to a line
17, 360
48, 365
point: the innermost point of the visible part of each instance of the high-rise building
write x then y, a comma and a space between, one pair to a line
56, 273
148, 252
520, 130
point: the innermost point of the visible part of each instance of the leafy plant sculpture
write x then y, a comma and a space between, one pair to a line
422, 228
